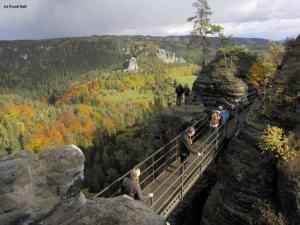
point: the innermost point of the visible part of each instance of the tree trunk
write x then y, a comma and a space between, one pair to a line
225, 62
203, 52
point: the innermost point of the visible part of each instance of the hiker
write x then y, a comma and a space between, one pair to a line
186, 94
179, 91
186, 146
214, 124
224, 114
215, 119
131, 186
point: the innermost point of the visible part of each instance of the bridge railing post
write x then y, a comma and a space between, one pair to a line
226, 130
217, 138
181, 181
153, 169
151, 201
176, 148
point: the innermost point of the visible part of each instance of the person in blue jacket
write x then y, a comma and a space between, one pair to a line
224, 114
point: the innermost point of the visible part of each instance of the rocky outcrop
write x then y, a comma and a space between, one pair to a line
107, 211
252, 187
245, 176
288, 183
222, 83
47, 191
131, 65
169, 57
31, 189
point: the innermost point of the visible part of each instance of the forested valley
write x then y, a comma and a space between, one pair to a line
77, 91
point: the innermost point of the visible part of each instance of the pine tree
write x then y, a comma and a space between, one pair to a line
202, 26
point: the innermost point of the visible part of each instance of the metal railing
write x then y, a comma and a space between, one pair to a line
154, 164
195, 99
185, 102
209, 143
178, 184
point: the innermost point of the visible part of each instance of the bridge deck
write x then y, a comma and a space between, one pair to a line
165, 185
166, 181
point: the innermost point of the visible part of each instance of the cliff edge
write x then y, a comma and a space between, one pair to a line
47, 191
254, 187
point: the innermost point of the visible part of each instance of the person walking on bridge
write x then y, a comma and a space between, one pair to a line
215, 119
186, 147
224, 114
131, 186
214, 124
186, 94
179, 91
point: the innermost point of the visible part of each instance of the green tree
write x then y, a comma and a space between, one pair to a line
202, 27
225, 43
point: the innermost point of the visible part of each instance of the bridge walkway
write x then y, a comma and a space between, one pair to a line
160, 172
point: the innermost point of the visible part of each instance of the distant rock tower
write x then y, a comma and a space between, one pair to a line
131, 65
169, 57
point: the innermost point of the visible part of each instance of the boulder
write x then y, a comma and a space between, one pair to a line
46, 190
31, 188
109, 211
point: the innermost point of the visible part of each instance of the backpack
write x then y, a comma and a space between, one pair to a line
215, 119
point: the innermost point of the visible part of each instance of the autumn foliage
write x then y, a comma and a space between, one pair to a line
86, 110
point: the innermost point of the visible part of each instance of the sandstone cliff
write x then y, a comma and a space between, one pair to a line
253, 187
169, 57
225, 77
47, 191
131, 65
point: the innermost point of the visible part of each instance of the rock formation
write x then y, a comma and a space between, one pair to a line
222, 82
131, 65
252, 187
47, 191
168, 57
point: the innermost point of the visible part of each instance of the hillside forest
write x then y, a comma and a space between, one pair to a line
76, 91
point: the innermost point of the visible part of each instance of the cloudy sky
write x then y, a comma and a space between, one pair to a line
271, 19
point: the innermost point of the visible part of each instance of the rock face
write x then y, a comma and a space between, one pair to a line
220, 84
245, 176
47, 191
168, 57
115, 211
288, 183
131, 65
252, 187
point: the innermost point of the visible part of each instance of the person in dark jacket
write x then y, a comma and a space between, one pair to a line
179, 91
186, 147
186, 94
131, 186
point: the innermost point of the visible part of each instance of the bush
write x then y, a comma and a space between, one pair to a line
267, 215
275, 141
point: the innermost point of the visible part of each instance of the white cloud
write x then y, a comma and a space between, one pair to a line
276, 29
56, 18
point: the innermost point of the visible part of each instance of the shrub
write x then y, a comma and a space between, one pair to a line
275, 141
267, 215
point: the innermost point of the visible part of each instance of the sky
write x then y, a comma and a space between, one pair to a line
41, 19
